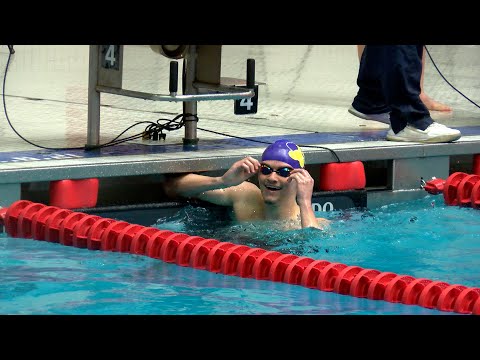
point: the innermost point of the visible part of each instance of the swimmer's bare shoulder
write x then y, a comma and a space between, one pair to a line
248, 202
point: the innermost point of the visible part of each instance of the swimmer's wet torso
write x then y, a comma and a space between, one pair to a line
284, 189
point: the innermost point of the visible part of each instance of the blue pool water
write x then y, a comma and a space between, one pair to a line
422, 238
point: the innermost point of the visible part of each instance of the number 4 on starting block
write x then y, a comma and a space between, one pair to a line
247, 106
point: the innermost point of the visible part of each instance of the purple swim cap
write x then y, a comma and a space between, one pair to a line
285, 151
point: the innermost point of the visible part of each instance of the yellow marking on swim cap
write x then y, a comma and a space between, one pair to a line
297, 155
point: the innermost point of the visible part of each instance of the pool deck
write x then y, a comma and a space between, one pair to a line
305, 96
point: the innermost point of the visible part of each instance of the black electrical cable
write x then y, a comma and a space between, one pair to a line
149, 130
448, 82
157, 128
110, 143
8, 120
269, 143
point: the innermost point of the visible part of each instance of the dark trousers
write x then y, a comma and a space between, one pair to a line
389, 81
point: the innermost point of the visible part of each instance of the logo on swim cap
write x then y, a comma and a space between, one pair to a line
285, 151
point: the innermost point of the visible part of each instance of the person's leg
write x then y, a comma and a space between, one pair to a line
430, 103
369, 103
401, 66
360, 49
370, 98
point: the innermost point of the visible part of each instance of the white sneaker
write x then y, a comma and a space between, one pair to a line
383, 117
435, 133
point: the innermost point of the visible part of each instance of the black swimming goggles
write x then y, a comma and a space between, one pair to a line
283, 172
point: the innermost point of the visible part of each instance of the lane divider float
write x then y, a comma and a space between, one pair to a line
26, 219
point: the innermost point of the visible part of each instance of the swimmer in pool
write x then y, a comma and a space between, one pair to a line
284, 191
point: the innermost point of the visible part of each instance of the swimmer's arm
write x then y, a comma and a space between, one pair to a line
221, 190
308, 218
208, 188
323, 223
192, 185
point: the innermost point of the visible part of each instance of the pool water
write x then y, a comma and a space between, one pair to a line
422, 238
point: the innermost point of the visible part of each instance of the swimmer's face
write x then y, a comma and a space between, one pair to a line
273, 180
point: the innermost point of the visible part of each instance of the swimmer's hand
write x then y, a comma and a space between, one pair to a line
240, 171
304, 182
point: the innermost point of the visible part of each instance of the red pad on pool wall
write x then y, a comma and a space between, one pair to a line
476, 164
74, 194
342, 176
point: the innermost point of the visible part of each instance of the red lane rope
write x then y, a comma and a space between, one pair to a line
49, 223
459, 189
